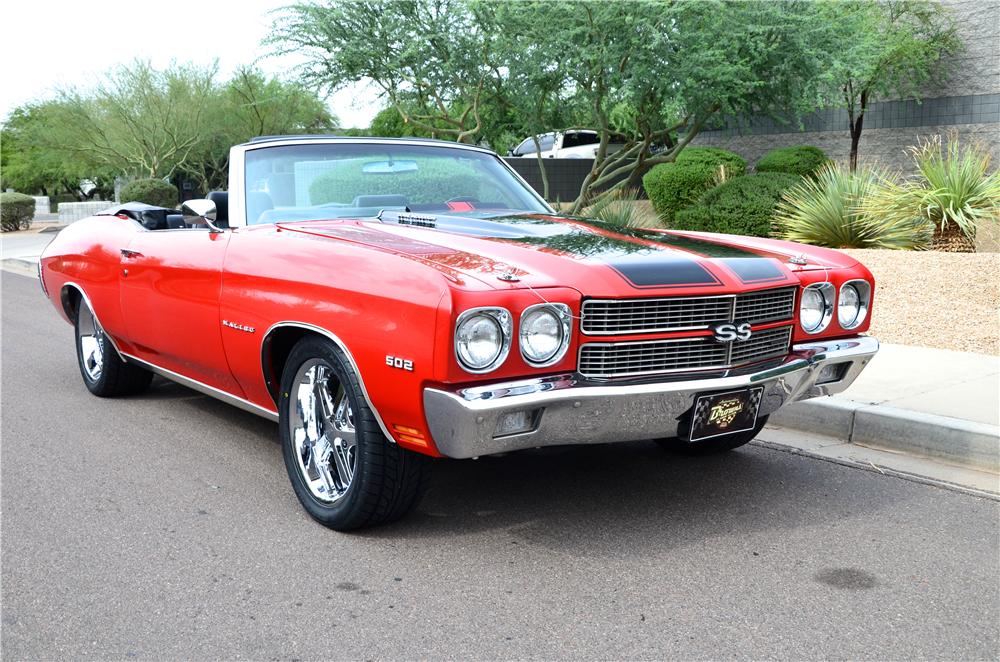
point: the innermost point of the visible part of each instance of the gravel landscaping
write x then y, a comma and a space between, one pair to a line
931, 299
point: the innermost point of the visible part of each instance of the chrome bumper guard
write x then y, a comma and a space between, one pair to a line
568, 409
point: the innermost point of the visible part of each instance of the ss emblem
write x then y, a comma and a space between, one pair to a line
731, 332
396, 362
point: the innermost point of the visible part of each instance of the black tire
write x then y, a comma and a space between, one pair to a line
113, 377
387, 481
714, 445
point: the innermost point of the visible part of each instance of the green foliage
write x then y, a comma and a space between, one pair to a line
802, 160
623, 207
892, 49
56, 200
154, 192
827, 211
16, 211
675, 186
743, 205
955, 187
434, 180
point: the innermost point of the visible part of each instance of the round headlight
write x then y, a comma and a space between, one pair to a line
849, 306
482, 338
816, 307
544, 333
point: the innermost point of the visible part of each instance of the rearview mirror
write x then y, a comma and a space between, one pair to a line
389, 167
200, 212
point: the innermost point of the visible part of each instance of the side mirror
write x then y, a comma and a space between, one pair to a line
200, 212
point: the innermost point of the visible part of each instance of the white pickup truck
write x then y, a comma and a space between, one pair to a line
572, 144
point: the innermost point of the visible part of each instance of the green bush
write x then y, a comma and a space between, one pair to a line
16, 211
743, 205
434, 181
675, 186
154, 192
827, 211
802, 160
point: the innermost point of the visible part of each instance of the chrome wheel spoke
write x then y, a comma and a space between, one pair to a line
91, 339
322, 431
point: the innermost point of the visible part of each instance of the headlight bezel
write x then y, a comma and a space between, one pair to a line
828, 292
864, 292
504, 321
564, 318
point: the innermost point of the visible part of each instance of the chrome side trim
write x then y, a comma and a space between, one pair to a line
205, 389
86, 300
343, 347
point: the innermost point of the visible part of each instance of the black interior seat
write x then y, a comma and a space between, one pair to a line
221, 200
175, 222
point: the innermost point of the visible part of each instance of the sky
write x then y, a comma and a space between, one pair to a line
49, 44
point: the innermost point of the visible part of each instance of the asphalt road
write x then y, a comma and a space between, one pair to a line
163, 527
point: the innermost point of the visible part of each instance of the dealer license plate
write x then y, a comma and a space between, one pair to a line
725, 413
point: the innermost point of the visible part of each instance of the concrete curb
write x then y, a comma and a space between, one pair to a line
21, 266
965, 443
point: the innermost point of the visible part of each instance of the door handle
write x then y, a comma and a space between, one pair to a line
126, 253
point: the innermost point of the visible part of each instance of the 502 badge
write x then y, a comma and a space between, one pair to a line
725, 413
396, 362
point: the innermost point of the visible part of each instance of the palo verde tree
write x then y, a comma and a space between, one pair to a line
429, 58
897, 47
657, 71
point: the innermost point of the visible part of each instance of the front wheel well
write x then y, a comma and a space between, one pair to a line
70, 298
275, 351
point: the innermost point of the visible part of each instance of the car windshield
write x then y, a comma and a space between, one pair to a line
358, 180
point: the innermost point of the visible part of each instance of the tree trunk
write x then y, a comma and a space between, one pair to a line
952, 240
541, 167
857, 124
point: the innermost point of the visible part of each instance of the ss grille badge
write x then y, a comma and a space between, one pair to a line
730, 332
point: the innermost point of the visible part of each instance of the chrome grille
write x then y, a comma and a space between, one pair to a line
761, 345
625, 316
765, 306
647, 357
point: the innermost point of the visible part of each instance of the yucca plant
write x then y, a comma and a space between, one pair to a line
827, 211
623, 207
955, 192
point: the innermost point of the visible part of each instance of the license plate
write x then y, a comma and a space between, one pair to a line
725, 413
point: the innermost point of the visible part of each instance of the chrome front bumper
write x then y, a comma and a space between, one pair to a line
567, 409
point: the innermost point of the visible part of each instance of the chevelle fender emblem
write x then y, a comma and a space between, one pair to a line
238, 327
729, 332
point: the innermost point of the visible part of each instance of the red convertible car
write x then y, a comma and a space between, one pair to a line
390, 301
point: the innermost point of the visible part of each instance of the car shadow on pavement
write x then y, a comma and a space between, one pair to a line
589, 499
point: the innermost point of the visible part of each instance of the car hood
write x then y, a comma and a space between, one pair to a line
595, 257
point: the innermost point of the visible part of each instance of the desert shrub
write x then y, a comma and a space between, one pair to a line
674, 186
826, 211
955, 192
743, 205
16, 211
154, 192
623, 207
802, 160
434, 181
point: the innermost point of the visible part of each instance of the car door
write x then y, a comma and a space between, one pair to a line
170, 286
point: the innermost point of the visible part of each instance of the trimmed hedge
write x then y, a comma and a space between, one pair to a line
154, 192
743, 205
435, 181
802, 160
675, 186
16, 211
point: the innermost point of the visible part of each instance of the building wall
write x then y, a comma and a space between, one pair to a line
966, 103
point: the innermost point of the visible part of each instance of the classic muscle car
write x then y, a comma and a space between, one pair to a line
391, 301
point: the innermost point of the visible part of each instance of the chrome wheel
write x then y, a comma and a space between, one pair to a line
91, 337
321, 426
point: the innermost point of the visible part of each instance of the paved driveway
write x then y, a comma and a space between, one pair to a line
164, 527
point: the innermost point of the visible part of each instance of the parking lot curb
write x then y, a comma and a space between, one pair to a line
953, 440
